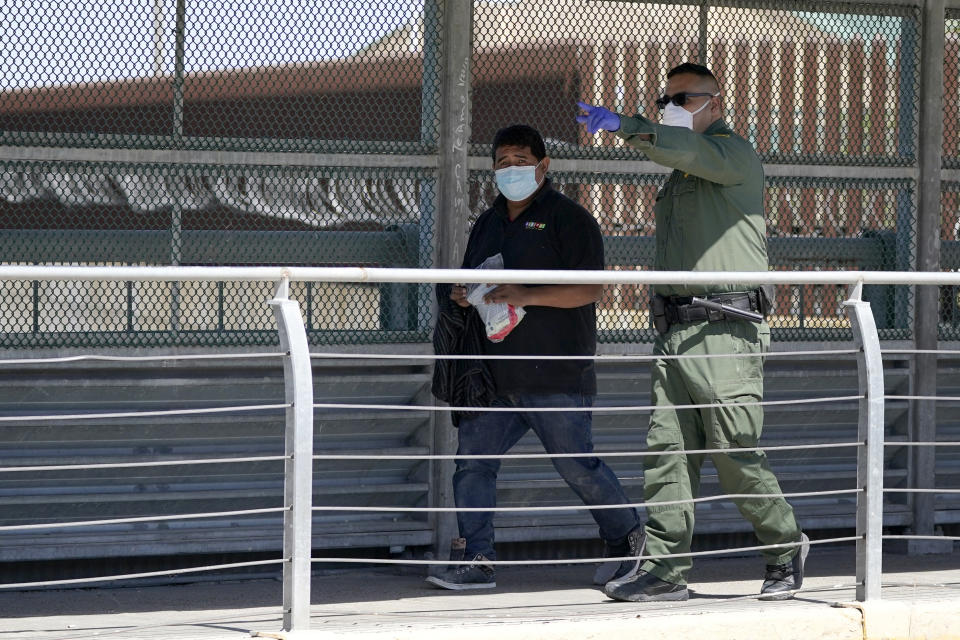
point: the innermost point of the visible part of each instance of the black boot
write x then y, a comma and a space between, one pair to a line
632, 545
645, 587
782, 581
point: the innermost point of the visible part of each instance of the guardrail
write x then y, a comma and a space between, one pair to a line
299, 403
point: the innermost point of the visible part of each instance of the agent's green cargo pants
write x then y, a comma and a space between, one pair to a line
719, 383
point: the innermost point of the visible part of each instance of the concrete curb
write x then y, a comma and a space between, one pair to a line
939, 620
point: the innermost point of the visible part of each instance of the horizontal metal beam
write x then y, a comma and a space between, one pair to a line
389, 248
503, 276
645, 167
475, 163
865, 7
585, 165
812, 5
149, 246
577, 165
229, 158
839, 172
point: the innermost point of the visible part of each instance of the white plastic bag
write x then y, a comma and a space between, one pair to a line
498, 318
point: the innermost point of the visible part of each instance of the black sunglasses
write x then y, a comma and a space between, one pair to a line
678, 99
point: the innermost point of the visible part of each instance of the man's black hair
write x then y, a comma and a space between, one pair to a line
520, 135
695, 69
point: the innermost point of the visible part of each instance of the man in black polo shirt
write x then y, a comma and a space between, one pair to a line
534, 226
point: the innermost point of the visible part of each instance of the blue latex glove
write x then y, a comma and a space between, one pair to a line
598, 118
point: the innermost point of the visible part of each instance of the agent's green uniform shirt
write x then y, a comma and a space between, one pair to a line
709, 217
709, 214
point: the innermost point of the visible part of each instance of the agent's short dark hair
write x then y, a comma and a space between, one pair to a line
695, 69
520, 135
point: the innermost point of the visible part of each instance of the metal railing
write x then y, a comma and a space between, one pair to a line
299, 403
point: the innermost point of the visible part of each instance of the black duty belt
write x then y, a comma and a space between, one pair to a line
670, 310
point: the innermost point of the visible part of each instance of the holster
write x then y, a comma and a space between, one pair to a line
743, 305
768, 296
658, 314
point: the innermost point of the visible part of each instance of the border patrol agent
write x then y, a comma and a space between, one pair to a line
709, 217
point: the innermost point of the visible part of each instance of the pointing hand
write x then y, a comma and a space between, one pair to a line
598, 118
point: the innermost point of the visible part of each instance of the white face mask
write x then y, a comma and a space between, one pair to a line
674, 116
517, 183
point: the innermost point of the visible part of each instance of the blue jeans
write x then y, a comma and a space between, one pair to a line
475, 481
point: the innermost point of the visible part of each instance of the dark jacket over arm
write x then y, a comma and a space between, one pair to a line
459, 382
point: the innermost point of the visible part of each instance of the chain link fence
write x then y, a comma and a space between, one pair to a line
309, 134
811, 87
344, 76
127, 214
950, 195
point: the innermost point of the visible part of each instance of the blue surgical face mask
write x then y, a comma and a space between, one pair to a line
517, 183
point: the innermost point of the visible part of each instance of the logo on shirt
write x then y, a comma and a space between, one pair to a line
536, 226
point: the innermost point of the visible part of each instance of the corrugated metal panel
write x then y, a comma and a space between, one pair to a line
27, 498
535, 482
58, 496
948, 430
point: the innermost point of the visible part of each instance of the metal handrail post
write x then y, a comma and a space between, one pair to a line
453, 214
926, 310
298, 468
869, 457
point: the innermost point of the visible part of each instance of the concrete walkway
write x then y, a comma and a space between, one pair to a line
921, 600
